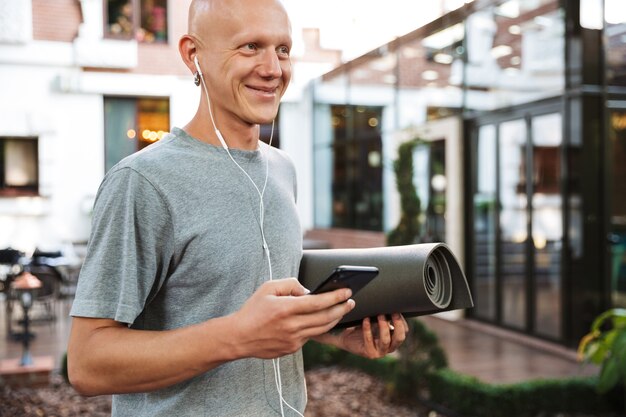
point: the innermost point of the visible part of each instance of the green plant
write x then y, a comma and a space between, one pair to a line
468, 396
406, 372
605, 345
408, 229
419, 372
63, 370
418, 356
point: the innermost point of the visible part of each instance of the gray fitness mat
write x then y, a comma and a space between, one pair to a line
414, 280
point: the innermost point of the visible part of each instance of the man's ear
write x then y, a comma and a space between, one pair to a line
188, 50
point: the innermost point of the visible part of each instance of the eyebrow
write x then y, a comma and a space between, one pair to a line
263, 38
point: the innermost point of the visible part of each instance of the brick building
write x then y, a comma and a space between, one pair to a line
84, 83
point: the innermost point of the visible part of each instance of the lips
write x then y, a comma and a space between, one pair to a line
267, 91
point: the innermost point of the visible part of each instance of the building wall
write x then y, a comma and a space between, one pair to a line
56, 20
56, 67
53, 78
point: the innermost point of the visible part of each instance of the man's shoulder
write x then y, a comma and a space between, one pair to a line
278, 155
159, 155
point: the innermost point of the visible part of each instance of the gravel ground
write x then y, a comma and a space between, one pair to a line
332, 392
338, 392
57, 400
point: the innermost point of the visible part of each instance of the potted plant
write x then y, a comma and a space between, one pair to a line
605, 345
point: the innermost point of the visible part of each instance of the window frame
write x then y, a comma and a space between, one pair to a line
19, 191
136, 23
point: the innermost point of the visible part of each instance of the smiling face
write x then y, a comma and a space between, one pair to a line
244, 56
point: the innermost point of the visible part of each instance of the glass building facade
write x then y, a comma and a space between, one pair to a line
519, 110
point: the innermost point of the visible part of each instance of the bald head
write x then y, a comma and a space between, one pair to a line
242, 49
208, 18
200, 12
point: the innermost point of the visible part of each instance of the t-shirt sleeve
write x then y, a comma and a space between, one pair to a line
129, 249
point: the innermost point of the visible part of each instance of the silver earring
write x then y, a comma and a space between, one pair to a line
196, 78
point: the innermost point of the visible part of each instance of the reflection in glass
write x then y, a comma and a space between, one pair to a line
615, 35
143, 20
617, 193
513, 221
153, 27
120, 18
485, 225
357, 172
515, 53
429, 77
19, 173
591, 14
131, 124
547, 221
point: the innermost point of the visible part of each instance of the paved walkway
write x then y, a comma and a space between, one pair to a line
489, 353
496, 355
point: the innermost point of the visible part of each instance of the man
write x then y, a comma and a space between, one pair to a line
183, 305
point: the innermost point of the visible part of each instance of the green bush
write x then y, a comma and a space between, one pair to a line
404, 372
63, 370
469, 396
419, 372
408, 230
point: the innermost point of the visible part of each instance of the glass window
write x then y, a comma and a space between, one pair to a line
513, 221
547, 222
132, 124
485, 224
357, 167
429, 76
515, 54
143, 20
615, 35
435, 227
617, 206
18, 166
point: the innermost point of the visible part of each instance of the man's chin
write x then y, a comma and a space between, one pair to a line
264, 119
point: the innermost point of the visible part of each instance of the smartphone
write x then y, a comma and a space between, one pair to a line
347, 276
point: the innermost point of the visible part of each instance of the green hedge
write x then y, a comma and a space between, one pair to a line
469, 396
408, 229
420, 372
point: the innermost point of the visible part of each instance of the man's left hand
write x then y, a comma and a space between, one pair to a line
371, 340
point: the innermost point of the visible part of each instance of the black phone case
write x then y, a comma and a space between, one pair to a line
354, 278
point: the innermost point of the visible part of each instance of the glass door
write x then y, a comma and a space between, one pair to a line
484, 225
547, 223
513, 219
616, 154
517, 228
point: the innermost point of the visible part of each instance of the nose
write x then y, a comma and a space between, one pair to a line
270, 65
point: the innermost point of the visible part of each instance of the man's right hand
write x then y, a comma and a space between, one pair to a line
280, 317
107, 357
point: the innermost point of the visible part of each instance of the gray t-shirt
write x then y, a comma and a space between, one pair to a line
176, 241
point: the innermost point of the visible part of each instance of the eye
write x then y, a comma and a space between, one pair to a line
251, 46
283, 50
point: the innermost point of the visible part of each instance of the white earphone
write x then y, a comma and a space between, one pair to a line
217, 132
261, 193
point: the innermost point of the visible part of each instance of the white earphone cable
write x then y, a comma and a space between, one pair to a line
266, 250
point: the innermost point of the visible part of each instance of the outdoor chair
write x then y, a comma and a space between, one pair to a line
10, 267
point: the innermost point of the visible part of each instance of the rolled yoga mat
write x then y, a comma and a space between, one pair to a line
414, 280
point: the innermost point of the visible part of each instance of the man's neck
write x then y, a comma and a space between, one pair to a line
244, 137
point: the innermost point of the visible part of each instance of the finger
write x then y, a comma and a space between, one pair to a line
384, 334
406, 325
315, 330
284, 287
368, 338
319, 302
401, 330
319, 322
